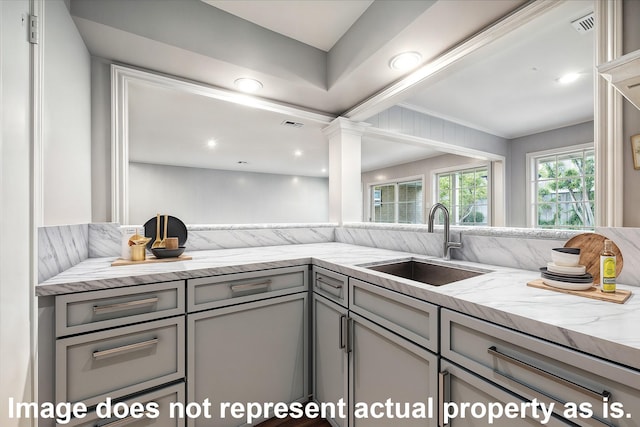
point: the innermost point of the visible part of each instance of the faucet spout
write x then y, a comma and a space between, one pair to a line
447, 245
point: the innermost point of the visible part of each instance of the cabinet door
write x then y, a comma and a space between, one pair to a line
385, 366
462, 387
330, 361
253, 352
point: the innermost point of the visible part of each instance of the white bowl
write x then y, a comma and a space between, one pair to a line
577, 270
566, 257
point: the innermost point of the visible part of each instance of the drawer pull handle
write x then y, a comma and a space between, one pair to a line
261, 286
100, 309
443, 395
596, 395
125, 348
333, 285
343, 331
121, 422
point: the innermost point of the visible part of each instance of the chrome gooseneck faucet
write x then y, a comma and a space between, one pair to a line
446, 253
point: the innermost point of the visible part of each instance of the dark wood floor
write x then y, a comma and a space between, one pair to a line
290, 422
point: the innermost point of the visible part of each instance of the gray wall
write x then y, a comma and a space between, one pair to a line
423, 167
66, 120
519, 147
206, 196
631, 120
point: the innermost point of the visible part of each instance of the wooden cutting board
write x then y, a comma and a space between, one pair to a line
150, 260
619, 296
591, 245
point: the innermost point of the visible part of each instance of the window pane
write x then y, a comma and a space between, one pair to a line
564, 190
466, 194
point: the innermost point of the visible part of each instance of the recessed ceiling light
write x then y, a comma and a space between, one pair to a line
405, 61
246, 84
569, 78
324, 170
297, 153
211, 143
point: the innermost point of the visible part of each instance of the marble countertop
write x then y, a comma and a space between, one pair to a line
604, 329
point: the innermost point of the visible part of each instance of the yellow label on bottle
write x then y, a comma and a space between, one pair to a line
608, 266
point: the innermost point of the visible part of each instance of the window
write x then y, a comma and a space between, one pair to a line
465, 193
562, 188
397, 202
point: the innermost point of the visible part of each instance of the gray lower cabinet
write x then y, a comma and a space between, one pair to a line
330, 358
158, 415
605, 393
460, 387
363, 357
254, 352
392, 380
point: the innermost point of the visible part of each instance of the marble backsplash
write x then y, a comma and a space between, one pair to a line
61, 247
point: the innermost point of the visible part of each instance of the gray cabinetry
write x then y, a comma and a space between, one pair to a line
536, 369
330, 357
385, 367
250, 352
370, 348
116, 344
461, 386
163, 398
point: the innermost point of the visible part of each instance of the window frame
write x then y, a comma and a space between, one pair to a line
531, 157
462, 168
396, 182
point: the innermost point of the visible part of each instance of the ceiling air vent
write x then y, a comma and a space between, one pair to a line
291, 124
584, 24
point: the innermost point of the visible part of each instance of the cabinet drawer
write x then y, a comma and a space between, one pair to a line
534, 368
120, 361
409, 317
330, 284
163, 397
460, 386
228, 289
90, 311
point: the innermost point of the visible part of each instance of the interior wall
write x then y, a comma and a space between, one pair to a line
520, 147
206, 196
16, 231
66, 119
631, 120
423, 167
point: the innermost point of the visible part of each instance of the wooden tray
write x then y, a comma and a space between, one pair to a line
150, 260
619, 297
591, 245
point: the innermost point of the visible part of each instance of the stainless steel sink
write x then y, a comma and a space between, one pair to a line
426, 272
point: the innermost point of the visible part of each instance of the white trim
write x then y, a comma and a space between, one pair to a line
608, 130
531, 157
37, 8
122, 76
394, 93
444, 147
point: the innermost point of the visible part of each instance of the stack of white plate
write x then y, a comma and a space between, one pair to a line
565, 272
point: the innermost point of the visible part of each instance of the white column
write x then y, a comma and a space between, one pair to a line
345, 188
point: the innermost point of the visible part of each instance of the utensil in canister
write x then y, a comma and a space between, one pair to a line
158, 242
164, 234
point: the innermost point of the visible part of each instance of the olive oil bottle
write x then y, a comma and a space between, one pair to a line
607, 268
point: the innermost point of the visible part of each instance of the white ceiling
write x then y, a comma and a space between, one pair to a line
495, 91
318, 23
510, 88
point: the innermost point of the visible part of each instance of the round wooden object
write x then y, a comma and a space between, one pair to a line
591, 244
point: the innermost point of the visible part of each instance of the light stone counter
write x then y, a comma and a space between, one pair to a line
607, 330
